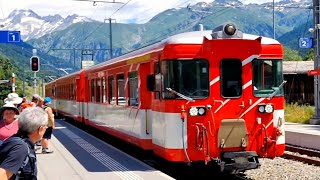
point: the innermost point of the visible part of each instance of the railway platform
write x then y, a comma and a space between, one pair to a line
303, 135
78, 155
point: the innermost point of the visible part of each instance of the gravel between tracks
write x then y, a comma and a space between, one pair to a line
280, 168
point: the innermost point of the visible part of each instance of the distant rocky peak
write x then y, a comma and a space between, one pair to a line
53, 18
19, 13
226, 2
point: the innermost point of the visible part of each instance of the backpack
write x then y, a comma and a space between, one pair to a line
30, 157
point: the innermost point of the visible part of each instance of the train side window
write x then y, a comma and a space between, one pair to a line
133, 89
98, 90
231, 78
111, 95
104, 98
157, 80
92, 90
121, 90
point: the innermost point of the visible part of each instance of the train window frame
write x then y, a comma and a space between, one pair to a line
258, 89
104, 90
157, 80
121, 90
111, 95
231, 83
133, 88
98, 90
176, 74
92, 90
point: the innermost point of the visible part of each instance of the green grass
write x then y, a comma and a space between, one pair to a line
298, 113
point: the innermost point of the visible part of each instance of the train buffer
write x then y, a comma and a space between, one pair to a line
78, 155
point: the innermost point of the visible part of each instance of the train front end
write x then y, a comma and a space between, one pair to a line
228, 97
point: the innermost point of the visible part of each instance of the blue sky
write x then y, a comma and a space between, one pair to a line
135, 11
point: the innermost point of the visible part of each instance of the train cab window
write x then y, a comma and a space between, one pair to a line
92, 90
267, 77
104, 89
111, 94
231, 78
133, 89
187, 77
121, 91
98, 90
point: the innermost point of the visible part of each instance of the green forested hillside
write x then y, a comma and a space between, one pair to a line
63, 49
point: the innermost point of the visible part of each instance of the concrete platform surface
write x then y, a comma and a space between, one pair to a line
303, 135
78, 155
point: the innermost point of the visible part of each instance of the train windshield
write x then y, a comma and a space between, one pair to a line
267, 77
187, 77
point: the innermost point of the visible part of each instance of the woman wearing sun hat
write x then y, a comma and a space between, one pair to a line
8, 123
13, 98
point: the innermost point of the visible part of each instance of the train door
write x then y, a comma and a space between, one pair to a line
232, 132
145, 97
231, 87
79, 103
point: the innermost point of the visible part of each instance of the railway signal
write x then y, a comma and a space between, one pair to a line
35, 63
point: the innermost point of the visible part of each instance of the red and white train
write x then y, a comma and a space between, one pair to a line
197, 96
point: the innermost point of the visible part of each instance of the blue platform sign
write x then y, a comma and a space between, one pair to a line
10, 37
306, 43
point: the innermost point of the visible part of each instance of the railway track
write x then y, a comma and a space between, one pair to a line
308, 156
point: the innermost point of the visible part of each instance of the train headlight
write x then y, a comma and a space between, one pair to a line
197, 111
230, 29
261, 109
201, 111
269, 108
193, 111
265, 108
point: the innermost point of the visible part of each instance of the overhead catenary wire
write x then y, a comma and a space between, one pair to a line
120, 8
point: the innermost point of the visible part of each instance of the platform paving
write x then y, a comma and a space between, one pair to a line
303, 135
78, 155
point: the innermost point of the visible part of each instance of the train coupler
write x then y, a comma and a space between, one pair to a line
235, 162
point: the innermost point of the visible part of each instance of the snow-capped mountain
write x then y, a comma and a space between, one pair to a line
31, 25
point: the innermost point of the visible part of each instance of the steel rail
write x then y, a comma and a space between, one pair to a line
305, 155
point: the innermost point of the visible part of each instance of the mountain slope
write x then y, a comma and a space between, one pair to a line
252, 18
32, 25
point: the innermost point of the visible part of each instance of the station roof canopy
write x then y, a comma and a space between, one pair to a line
297, 67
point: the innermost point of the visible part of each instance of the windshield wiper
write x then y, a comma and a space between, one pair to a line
180, 95
276, 90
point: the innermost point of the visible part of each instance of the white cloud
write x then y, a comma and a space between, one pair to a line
138, 11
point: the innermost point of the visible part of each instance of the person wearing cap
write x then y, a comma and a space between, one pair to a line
13, 98
35, 99
51, 126
24, 100
8, 123
17, 155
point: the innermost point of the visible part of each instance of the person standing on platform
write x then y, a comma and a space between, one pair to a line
35, 99
9, 122
24, 100
17, 156
13, 98
51, 126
